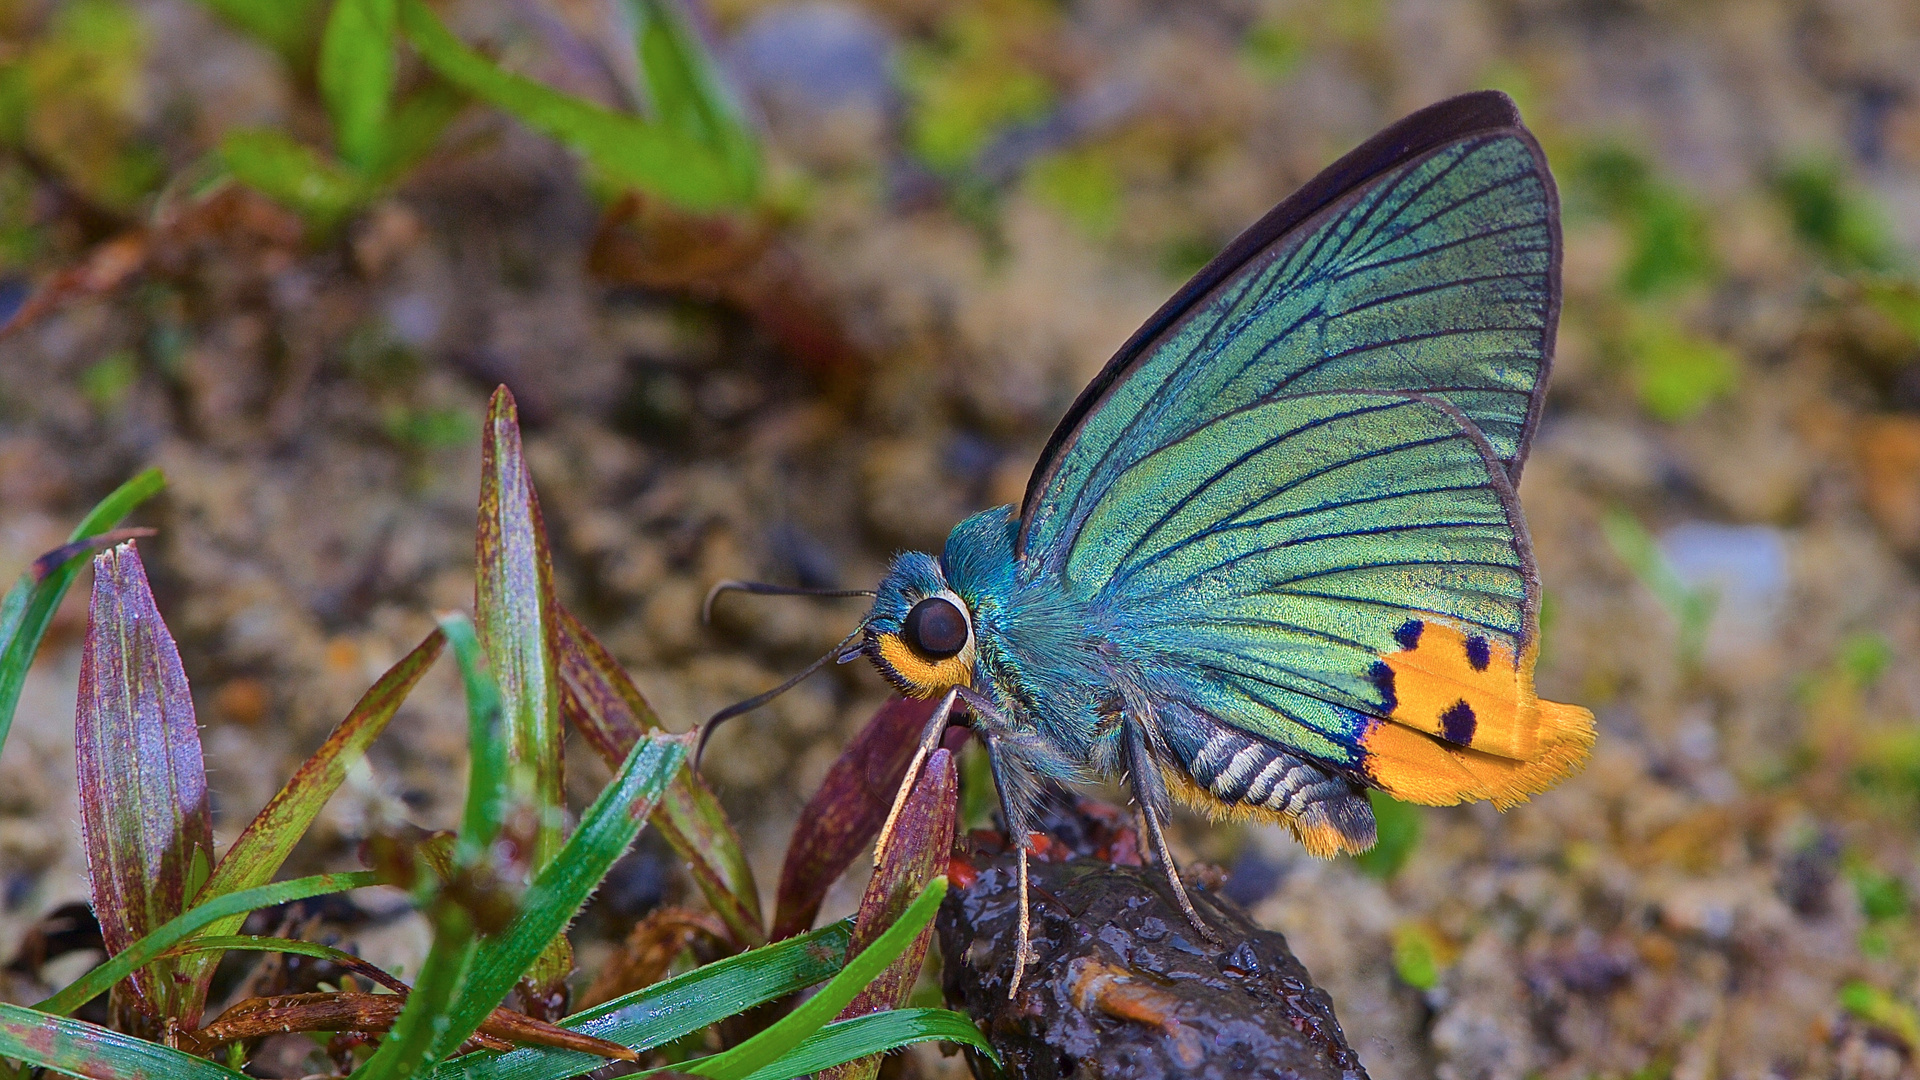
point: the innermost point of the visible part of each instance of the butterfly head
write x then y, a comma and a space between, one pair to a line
920, 632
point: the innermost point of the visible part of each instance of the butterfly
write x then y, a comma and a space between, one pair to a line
1272, 557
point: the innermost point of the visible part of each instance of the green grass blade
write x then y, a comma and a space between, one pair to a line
81, 1049
293, 175
143, 952
410, 1045
602, 703
606, 830
414, 128
486, 742
356, 75
684, 88
30, 604
671, 1009
874, 1033
262, 847
288, 26
625, 149
775, 1042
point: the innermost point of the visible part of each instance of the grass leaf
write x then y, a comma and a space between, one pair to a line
88, 1050
29, 606
916, 852
770, 1045
262, 847
356, 75
684, 88
486, 744
676, 1007
602, 704
288, 26
875, 1033
96, 982
606, 830
295, 175
144, 813
625, 149
514, 611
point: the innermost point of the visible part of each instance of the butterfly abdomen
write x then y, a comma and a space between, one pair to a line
1462, 722
1228, 773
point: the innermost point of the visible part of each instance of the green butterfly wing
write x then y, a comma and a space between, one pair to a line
1428, 260
1309, 454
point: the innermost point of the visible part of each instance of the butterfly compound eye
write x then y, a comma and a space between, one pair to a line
935, 628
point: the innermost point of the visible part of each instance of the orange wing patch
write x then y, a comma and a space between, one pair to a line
1465, 724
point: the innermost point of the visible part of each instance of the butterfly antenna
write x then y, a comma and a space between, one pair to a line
761, 588
838, 652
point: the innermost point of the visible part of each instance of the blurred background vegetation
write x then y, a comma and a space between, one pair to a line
784, 286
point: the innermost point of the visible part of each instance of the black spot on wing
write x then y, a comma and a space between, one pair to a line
1382, 677
1409, 633
1478, 652
1457, 724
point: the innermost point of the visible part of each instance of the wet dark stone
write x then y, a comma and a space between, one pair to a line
1122, 987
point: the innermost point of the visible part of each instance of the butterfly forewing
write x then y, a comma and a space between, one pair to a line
1437, 274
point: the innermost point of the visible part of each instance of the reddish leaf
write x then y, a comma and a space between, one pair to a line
915, 853
514, 616
143, 786
257, 854
261, 1016
847, 812
602, 703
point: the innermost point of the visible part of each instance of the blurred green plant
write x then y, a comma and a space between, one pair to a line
73, 99
1669, 242
1397, 828
1083, 185
1675, 373
1692, 608
498, 894
1875, 1006
695, 150
1833, 217
1419, 956
1273, 49
975, 77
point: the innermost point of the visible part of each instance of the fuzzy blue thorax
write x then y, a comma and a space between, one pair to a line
1035, 652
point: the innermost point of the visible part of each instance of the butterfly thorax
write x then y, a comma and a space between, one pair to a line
1038, 654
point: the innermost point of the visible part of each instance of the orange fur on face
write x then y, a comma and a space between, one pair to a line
922, 678
1466, 724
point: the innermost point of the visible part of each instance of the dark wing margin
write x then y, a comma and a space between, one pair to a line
1482, 113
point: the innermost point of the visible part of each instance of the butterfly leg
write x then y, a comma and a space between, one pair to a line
1013, 809
930, 737
1150, 791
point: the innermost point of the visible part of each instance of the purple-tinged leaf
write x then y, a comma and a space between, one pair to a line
847, 812
917, 851
81, 1049
142, 783
602, 703
514, 613
260, 850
